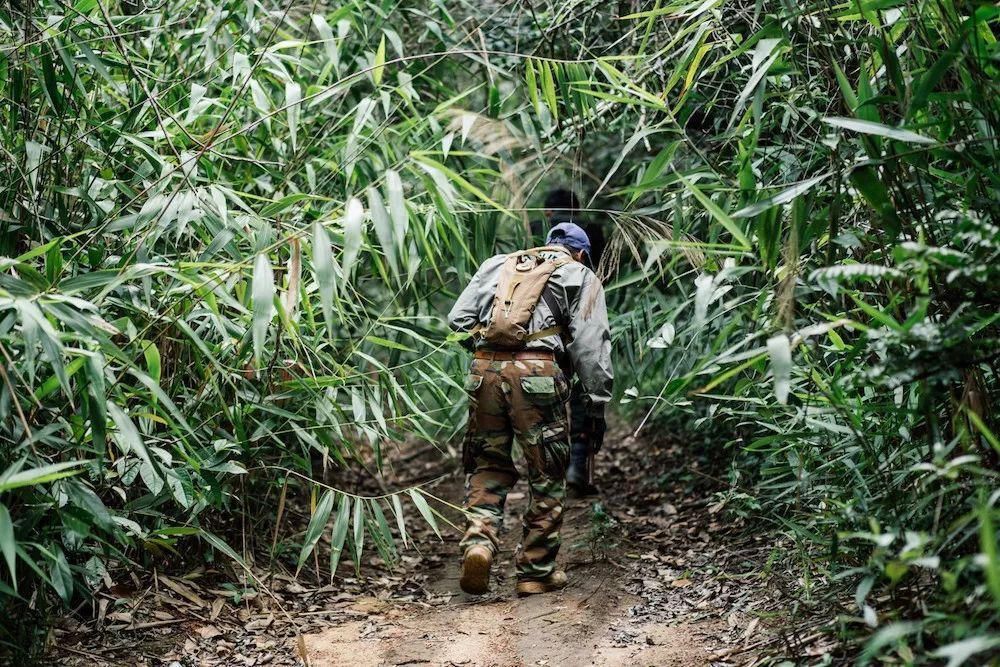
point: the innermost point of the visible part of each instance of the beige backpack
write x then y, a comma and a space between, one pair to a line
522, 279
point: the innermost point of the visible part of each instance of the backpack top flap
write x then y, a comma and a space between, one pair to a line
522, 279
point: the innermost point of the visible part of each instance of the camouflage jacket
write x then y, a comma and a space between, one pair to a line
578, 297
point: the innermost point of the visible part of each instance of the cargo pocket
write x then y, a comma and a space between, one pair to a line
470, 448
555, 451
551, 454
543, 390
473, 383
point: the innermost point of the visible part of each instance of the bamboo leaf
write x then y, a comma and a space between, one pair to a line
383, 534
276, 207
40, 475
383, 228
845, 87
152, 355
128, 438
7, 543
354, 219
362, 114
263, 304
764, 57
731, 226
780, 351
359, 531
316, 528
326, 36
425, 510
877, 129
549, 88
397, 510
379, 63
60, 576
392, 345
293, 96
531, 84
397, 207
339, 534
222, 546
326, 274
782, 197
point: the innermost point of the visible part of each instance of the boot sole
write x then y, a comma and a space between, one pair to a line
526, 588
476, 573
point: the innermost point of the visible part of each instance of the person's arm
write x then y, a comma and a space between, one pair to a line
464, 315
590, 344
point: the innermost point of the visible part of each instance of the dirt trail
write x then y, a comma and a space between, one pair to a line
590, 623
647, 586
657, 577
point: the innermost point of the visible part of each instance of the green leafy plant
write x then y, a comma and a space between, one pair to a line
229, 232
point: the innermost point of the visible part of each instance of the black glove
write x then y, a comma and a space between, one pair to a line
594, 427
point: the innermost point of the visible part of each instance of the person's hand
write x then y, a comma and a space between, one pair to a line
595, 427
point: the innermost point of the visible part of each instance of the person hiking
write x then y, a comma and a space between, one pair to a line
536, 317
562, 205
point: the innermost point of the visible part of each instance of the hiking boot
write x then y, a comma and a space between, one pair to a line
582, 490
554, 582
476, 570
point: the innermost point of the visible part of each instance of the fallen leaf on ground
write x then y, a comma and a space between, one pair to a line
182, 590
120, 616
208, 631
217, 606
259, 624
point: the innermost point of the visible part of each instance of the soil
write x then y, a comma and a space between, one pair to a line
592, 622
658, 576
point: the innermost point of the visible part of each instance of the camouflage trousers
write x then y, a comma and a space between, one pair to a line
522, 398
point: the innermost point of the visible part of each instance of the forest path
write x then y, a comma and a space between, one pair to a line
589, 623
657, 577
647, 587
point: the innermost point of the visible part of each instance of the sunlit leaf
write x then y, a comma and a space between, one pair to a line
779, 349
263, 303
326, 273
878, 129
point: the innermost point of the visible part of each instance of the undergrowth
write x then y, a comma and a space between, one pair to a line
229, 231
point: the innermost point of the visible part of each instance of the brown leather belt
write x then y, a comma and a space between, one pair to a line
511, 355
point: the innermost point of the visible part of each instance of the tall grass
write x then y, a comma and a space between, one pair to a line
229, 231
824, 180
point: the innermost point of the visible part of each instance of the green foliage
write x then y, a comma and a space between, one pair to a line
194, 300
853, 349
603, 532
228, 233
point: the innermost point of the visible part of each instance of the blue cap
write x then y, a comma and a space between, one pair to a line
571, 235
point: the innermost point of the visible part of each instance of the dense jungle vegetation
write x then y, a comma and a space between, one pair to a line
229, 232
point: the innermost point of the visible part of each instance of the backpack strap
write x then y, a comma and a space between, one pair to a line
547, 331
549, 248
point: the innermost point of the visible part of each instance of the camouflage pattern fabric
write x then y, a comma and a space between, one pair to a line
523, 399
